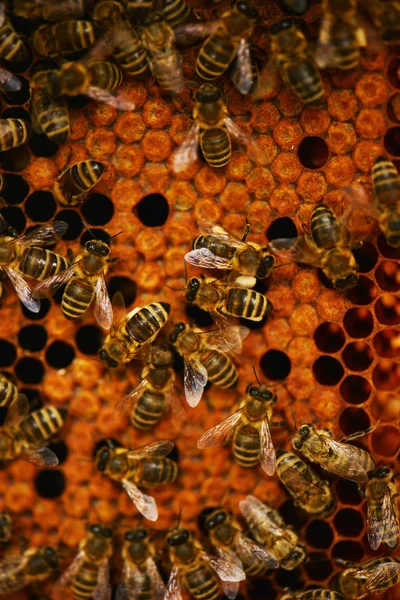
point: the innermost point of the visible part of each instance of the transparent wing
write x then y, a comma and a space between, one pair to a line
9, 82
216, 435
157, 449
208, 227
226, 570
255, 153
390, 521
10, 568
187, 153
118, 101
295, 250
49, 286
349, 461
103, 588
145, 504
165, 66
244, 66
204, 258
119, 312
250, 550
157, 585
232, 335
192, 32
324, 53
266, 455
231, 588
173, 587
23, 290
195, 378
44, 235
42, 457
18, 409
295, 479
375, 524
378, 576
71, 571
255, 511
216, 340
127, 404
134, 581
103, 308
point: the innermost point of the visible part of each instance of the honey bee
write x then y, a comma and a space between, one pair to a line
22, 255
386, 19
249, 429
139, 10
85, 279
372, 577
205, 359
24, 435
5, 527
130, 332
33, 566
8, 391
306, 488
176, 12
63, 38
340, 458
269, 529
142, 580
146, 466
233, 546
13, 133
195, 571
88, 575
76, 181
315, 594
218, 249
386, 190
328, 246
340, 36
48, 10
212, 130
12, 47
9, 83
382, 512
49, 110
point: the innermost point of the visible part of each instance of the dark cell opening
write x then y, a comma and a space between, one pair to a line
44, 309
385, 249
358, 322
77, 101
98, 234
199, 317
386, 375
357, 356
60, 449
386, 440
387, 343
260, 588
60, 354
29, 370
14, 217
387, 310
366, 257
33, 395
281, 228
388, 276
348, 522
364, 292
275, 365
293, 515
348, 492
7, 353
89, 339
391, 141
295, 7
318, 566
126, 286
50, 483
329, 337
16, 159
58, 296
16, 112
75, 224
32, 337
313, 152
319, 534
97, 209
40, 207
348, 550
41, 145
21, 96
393, 72
393, 108
15, 188
353, 420
355, 389
152, 210
174, 454
288, 579
327, 370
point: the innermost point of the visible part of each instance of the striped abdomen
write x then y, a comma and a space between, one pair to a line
130, 53
13, 133
253, 567
246, 446
215, 56
215, 245
220, 369
104, 74
12, 48
152, 472
8, 391
77, 181
242, 302
72, 35
77, 298
50, 113
148, 410
145, 324
40, 263
305, 79
216, 146
386, 182
176, 12
325, 228
85, 581
201, 582
39, 426
345, 46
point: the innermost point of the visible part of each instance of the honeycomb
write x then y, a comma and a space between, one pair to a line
333, 357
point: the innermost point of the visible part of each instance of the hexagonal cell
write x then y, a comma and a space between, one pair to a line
29, 370
385, 440
348, 492
387, 343
8, 353
275, 365
366, 257
348, 550
73, 219
393, 72
15, 188
41, 206
60, 449
388, 276
152, 210
385, 249
391, 141
89, 339
319, 534
386, 375
364, 292
348, 522
45, 306
328, 370
15, 218
357, 356
281, 228
358, 322
32, 337
41, 145
355, 389
318, 567
97, 209
353, 420
329, 337
50, 483
127, 287
387, 310
59, 354
393, 107
313, 152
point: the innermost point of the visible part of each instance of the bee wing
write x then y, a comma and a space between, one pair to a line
71, 571
42, 457
18, 409
119, 312
216, 435
163, 66
133, 587
118, 101
350, 464
210, 228
254, 510
244, 65
157, 585
232, 335
246, 547
192, 32
9, 82
244, 139
324, 53
145, 504
157, 449
292, 477
266, 454
231, 588
377, 576
44, 235
204, 258
195, 378
11, 568
390, 521
227, 570
103, 309
23, 290
295, 250
173, 587
128, 402
103, 588
268, 79
186, 153
49, 286
215, 338
375, 524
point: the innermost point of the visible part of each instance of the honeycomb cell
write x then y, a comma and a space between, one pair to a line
386, 375
313, 152
393, 108
32, 337
355, 389
353, 420
29, 370
15, 218
283, 227
366, 257
45, 306
348, 492
348, 550
357, 356
358, 322
391, 141
329, 337
40, 145
364, 292
387, 343
15, 188
348, 522
89, 339
319, 534
387, 310
59, 354
385, 441
388, 276
328, 370
8, 353
60, 449
318, 567
386, 250
73, 220
152, 210
393, 72
50, 483
275, 365
97, 209
41, 206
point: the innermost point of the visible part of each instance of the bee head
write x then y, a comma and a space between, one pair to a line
260, 391
136, 535
192, 289
208, 92
178, 537
217, 517
346, 283
281, 25
247, 9
301, 436
381, 472
161, 356
51, 556
294, 559
101, 531
178, 329
105, 356
266, 265
102, 459
97, 247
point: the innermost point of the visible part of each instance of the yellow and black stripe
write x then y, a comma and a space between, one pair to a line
77, 180
215, 56
176, 12
220, 369
39, 263
8, 391
201, 582
13, 133
12, 47
242, 302
246, 446
325, 228
104, 74
147, 322
85, 581
216, 146
77, 297
39, 426
148, 410
386, 182
154, 472
305, 79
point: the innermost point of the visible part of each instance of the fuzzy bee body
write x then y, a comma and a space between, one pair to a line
33, 566
64, 37
386, 189
76, 181
13, 133
49, 110
12, 47
8, 391
371, 577
40, 263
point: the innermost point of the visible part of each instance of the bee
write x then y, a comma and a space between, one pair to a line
24, 435
8, 391
21, 255
386, 190
13, 133
12, 47
315, 594
249, 429
340, 36
49, 110
195, 571
176, 12
386, 19
306, 488
63, 38
5, 527
218, 249
233, 546
9, 82
130, 332
329, 246
212, 130
146, 466
29, 568
205, 359
85, 279
372, 577
139, 10
142, 580
88, 575
383, 524
269, 529
48, 10
339, 458
76, 181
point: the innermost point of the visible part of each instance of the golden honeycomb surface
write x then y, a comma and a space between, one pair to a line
335, 357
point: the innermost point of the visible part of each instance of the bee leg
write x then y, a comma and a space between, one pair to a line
357, 434
70, 256
246, 232
344, 563
361, 491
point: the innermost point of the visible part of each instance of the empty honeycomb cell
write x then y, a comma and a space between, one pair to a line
200, 317
122, 284
8, 353
32, 337
41, 145
74, 222
50, 483
386, 250
40, 206
329, 337
275, 365
319, 534
97, 209
259, 587
385, 441
358, 322
387, 343
393, 108
388, 276
353, 420
348, 492
386, 406
364, 292
366, 257
328, 370
386, 375
29, 370
14, 217
287, 579
313, 152
34, 397
357, 356
59, 355
393, 72
45, 306
318, 566
15, 188
283, 227
387, 310
152, 210
348, 522
355, 389
391, 141
348, 550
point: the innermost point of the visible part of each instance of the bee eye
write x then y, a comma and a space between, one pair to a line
95, 528
107, 532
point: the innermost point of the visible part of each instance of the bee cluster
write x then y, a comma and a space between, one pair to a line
101, 50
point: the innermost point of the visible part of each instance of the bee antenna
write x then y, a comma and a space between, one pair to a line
179, 517
87, 227
255, 374
294, 417
174, 289
115, 235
